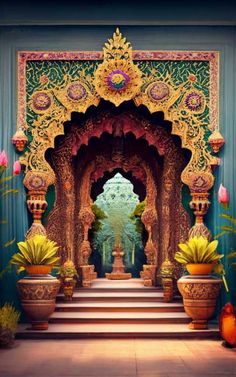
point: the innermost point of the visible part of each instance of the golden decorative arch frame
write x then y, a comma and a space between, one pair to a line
117, 75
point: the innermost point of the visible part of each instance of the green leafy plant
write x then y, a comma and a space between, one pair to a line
225, 229
9, 318
136, 216
198, 250
67, 270
99, 215
38, 250
4, 191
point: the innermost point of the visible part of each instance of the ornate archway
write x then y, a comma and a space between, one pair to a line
183, 85
77, 169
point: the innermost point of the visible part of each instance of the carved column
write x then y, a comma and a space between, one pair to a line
200, 205
86, 218
60, 222
199, 183
166, 271
37, 183
149, 218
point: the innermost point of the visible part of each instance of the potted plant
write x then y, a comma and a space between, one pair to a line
9, 318
68, 274
38, 290
198, 255
199, 290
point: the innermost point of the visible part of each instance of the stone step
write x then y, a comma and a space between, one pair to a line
118, 330
132, 284
122, 296
119, 317
94, 306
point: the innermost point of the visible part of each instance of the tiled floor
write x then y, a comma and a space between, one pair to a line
118, 357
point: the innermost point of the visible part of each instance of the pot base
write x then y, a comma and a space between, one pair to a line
199, 324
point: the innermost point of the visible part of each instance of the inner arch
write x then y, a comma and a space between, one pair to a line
118, 202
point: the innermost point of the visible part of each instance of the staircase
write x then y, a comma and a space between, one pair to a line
116, 308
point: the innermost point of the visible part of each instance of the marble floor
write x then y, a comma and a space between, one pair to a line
118, 357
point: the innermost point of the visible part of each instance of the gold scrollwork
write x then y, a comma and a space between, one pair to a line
117, 79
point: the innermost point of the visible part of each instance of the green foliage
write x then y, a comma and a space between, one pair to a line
99, 215
225, 229
198, 250
9, 318
135, 216
38, 250
67, 270
4, 191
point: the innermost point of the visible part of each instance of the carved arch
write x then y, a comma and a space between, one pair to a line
189, 104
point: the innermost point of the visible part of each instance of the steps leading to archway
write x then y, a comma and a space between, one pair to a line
118, 309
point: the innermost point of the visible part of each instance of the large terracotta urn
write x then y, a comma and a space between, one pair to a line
200, 294
38, 294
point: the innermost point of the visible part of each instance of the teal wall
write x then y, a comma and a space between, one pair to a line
15, 38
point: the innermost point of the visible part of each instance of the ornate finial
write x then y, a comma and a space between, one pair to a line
117, 48
20, 140
216, 141
117, 79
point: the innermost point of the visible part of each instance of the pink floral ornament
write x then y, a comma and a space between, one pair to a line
16, 168
3, 159
223, 196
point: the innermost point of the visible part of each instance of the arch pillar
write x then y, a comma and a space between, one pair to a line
37, 183
149, 219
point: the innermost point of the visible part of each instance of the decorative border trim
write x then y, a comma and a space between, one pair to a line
211, 56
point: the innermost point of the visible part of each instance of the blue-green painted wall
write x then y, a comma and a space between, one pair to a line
15, 38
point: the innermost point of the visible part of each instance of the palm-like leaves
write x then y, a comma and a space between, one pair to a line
228, 229
198, 250
38, 250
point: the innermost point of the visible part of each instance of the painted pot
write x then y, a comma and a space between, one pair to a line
68, 285
200, 294
200, 268
38, 269
38, 296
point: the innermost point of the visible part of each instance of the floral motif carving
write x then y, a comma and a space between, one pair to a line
39, 290
200, 291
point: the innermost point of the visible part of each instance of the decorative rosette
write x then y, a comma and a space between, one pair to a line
117, 79
158, 91
195, 101
41, 102
76, 91
77, 95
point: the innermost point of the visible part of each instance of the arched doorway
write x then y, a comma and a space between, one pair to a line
146, 152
